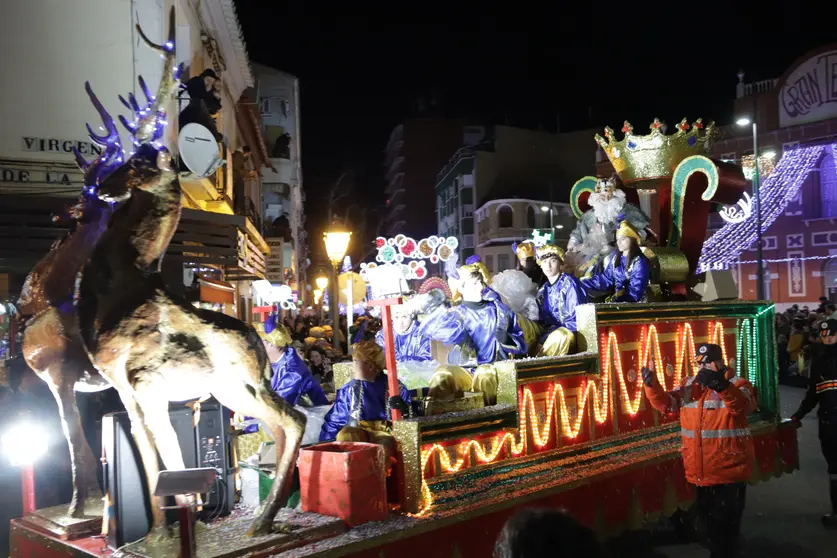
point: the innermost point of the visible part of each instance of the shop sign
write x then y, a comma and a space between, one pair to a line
810, 92
53, 145
38, 175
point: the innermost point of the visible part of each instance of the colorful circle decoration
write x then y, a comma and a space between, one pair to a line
386, 254
402, 249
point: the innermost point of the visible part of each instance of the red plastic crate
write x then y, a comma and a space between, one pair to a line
345, 480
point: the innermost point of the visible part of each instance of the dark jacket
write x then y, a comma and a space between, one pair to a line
822, 384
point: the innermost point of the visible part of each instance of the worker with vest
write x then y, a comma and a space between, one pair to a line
718, 451
822, 391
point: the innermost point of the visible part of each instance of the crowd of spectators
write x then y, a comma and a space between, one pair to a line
797, 336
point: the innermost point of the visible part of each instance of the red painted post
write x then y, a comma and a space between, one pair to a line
187, 534
389, 347
27, 482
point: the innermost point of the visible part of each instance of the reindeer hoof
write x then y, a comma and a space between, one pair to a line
76, 508
260, 528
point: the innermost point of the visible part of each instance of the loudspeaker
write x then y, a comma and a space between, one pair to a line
126, 488
213, 439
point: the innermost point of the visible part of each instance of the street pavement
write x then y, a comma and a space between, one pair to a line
782, 517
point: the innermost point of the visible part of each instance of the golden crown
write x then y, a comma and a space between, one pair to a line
657, 154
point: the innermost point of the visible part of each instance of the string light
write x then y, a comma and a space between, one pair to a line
775, 192
541, 431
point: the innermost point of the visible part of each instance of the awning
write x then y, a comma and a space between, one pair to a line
216, 292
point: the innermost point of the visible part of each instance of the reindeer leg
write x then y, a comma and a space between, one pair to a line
148, 454
155, 408
287, 426
81, 456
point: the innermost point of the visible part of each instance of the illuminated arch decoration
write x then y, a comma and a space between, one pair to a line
776, 192
540, 430
583, 187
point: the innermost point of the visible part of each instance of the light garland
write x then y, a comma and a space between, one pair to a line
541, 432
746, 338
775, 192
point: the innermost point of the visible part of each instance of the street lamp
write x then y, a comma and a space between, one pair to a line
322, 282
551, 211
743, 122
336, 242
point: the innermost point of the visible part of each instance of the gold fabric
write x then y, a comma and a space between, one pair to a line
369, 351
248, 444
625, 229
449, 382
558, 343
531, 331
280, 336
477, 267
370, 432
485, 382
550, 250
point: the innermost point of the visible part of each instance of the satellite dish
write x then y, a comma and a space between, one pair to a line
199, 149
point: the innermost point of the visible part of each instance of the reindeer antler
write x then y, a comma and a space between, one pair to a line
111, 156
150, 120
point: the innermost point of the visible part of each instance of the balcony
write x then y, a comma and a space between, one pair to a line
231, 242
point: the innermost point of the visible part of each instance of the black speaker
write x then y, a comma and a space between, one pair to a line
213, 438
126, 487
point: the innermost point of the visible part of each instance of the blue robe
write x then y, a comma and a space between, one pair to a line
292, 379
628, 285
360, 400
489, 327
410, 345
557, 302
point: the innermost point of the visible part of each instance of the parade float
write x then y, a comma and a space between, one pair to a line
572, 431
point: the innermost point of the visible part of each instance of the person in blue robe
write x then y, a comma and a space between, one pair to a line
291, 377
361, 411
410, 344
557, 299
626, 272
482, 322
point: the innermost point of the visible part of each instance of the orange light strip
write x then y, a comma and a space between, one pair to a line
649, 345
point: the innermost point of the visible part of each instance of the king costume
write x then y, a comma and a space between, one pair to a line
626, 278
410, 345
488, 326
557, 301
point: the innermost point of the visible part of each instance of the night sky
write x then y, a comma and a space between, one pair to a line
592, 63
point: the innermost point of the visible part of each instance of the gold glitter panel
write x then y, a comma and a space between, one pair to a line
343, 372
668, 265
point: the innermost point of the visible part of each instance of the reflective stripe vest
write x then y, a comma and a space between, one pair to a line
717, 444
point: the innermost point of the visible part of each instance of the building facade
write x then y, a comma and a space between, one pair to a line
501, 223
416, 150
218, 249
508, 163
283, 196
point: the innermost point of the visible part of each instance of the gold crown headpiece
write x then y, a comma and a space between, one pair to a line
525, 249
656, 155
548, 250
605, 185
626, 229
478, 268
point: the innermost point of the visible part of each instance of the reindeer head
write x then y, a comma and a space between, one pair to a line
150, 165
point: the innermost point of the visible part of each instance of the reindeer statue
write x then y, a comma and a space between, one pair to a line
154, 347
52, 346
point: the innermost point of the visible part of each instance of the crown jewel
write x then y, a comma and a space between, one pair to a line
656, 155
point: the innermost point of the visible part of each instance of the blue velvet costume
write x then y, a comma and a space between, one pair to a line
410, 345
628, 284
489, 327
292, 379
359, 401
557, 302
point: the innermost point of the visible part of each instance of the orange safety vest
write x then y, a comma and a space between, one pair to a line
717, 444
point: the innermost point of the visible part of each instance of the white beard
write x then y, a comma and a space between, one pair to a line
607, 211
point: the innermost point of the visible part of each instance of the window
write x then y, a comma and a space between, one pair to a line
728, 157
530, 218
829, 276
828, 185
503, 261
489, 263
467, 195
505, 217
